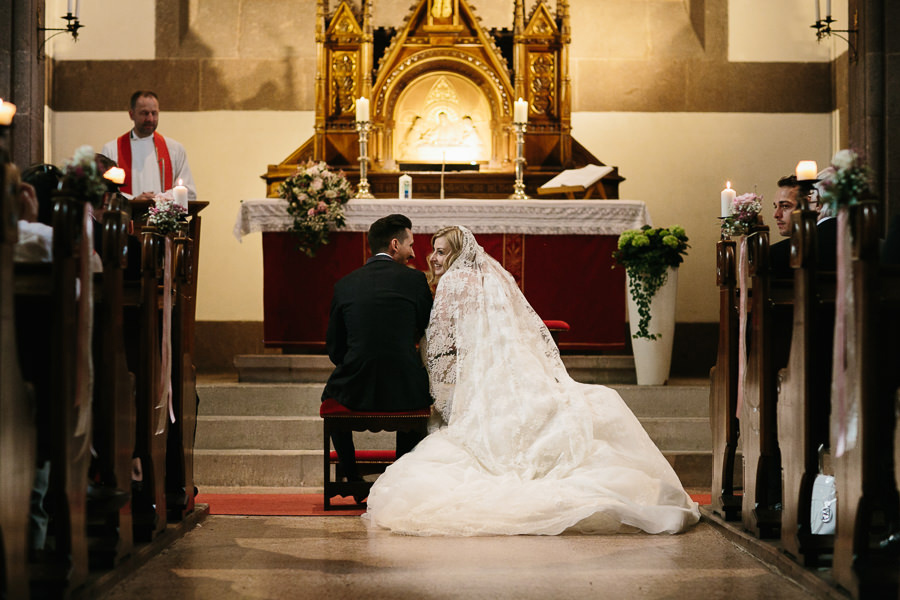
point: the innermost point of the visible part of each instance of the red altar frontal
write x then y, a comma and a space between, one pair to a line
559, 252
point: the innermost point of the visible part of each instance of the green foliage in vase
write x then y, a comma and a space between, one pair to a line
646, 254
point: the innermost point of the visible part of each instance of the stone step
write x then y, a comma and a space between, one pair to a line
315, 368
305, 433
299, 399
236, 469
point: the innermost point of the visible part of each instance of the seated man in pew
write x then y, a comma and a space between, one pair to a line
786, 201
378, 313
35, 243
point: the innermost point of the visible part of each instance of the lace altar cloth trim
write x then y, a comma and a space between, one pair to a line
535, 217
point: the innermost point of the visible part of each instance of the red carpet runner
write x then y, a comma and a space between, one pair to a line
297, 505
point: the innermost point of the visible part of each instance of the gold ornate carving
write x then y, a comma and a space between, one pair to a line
343, 82
541, 23
543, 82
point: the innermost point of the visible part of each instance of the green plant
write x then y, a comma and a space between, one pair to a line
646, 254
316, 196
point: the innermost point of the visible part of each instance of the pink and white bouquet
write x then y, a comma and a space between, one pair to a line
316, 196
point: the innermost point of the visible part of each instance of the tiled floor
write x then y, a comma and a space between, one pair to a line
337, 557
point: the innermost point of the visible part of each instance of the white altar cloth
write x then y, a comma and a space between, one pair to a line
535, 217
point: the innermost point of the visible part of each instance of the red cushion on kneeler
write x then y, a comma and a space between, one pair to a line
556, 325
378, 456
332, 408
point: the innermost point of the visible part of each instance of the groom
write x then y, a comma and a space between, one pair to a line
378, 313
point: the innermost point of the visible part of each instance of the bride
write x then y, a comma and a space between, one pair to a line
517, 446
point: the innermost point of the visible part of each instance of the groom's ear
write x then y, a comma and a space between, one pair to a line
395, 245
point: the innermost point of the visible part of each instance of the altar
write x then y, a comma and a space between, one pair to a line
559, 252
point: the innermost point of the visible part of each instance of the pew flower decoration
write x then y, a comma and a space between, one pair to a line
848, 184
744, 215
82, 178
647, 254
166, 216
316, 196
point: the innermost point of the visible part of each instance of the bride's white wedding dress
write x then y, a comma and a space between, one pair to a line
522, 449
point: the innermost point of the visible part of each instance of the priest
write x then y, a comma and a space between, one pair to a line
153, 163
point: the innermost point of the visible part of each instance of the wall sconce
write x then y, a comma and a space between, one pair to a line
72, 22
824, 30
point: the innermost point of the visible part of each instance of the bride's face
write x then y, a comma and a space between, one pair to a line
439, 256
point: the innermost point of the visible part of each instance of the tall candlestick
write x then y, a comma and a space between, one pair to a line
728, 196
7, 110
519, 187
362, 127
520, 112
362, 109
807, 170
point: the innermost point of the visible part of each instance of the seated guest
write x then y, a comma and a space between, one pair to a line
786, 201
35, 243
44, 178
826, 227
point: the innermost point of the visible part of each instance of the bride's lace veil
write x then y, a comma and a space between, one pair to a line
491, 360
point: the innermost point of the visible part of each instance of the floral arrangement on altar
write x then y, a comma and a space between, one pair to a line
849, 183
316, 196
744, 214
82, 177
647, 254
166, 215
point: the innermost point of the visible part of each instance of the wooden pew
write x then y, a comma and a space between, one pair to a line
761, 501
864, 474
17, 428
110, 523
149, 501
723, 387
180, 454
804, 391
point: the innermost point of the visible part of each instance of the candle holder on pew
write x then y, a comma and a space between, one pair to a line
519, 187
362, 190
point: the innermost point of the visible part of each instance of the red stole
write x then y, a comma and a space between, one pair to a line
162, 155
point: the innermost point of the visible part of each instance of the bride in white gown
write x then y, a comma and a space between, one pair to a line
519, 448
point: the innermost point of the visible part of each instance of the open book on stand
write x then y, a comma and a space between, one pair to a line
582, 181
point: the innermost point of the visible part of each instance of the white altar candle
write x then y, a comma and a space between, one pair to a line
7, 110
115, 175
807, 170
362, 109
180, 194
520, 114
728, 196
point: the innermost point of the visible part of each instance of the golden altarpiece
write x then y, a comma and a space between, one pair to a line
442, 98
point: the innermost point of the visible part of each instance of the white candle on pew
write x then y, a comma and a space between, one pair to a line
180, 194
7, 111
728, 196
807, 170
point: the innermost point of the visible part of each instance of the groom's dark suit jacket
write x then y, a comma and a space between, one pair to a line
378, 313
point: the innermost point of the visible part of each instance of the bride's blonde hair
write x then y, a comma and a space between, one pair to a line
454, 237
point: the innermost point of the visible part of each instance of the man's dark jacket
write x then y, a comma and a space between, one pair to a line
378, 313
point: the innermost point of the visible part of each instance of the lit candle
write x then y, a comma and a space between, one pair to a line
7, 110
180, 194
362, 109
115, 175
807, 170
520, 114
818, 14
728, 195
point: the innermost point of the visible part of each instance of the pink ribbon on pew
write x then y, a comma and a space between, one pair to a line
847, 413
743, 267
84, 363
165, 395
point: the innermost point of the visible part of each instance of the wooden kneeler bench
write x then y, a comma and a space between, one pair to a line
337, 417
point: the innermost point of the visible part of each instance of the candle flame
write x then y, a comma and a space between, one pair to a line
728, 184
180, 181
115, 175
7, 111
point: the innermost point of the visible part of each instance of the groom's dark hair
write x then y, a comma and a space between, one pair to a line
382, 231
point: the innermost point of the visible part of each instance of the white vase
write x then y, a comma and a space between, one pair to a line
653, 358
